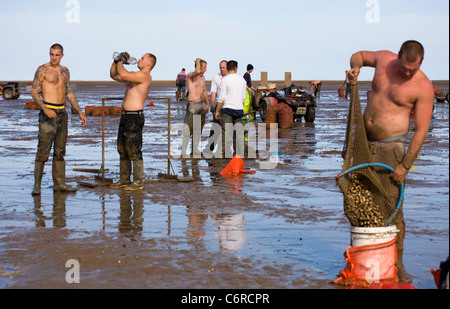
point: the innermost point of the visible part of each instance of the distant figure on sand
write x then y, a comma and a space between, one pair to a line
181, 85
249, 93
348, 85
315, 88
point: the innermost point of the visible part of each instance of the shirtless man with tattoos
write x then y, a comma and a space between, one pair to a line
52, 79
129, 140
399, 87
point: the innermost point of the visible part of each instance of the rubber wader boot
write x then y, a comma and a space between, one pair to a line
403, 275
125, 173
138, 176
59, 177
38, 172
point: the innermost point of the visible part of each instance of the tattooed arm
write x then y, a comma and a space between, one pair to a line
36, 89
73, 101
71, 96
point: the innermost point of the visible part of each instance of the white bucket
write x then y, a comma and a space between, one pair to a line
362, 236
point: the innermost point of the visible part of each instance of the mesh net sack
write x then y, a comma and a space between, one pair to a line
366, 202
285, 116
271, 115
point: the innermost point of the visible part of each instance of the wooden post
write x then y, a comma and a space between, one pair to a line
264, 79
287, 79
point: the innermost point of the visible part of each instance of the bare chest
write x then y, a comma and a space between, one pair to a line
56, 75
401, 93
197, 83
137, 90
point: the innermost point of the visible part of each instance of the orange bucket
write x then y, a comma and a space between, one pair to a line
235, 167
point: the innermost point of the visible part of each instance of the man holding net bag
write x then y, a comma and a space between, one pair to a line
398, 88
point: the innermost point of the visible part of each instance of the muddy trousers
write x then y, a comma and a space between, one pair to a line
129, 138
392, 155
129, 147
194, 121
52, 132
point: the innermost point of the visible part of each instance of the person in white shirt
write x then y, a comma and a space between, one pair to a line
215, 87
230, 110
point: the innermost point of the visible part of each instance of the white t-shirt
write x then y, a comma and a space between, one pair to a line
215, 85
233, 91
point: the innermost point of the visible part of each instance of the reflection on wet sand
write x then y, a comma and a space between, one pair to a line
131, 213
230, 231
58, 217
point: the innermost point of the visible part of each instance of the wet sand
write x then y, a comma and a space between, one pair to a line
278, 228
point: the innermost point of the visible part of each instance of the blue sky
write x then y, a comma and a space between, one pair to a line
313, 40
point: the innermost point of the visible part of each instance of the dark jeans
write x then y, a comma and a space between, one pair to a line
182, 90
230, 125
52, 132
213, 135
129, 139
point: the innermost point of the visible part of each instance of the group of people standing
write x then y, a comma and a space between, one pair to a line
230, 101
399, 87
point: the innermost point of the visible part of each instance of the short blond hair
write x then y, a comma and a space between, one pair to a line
57, 46
154, 59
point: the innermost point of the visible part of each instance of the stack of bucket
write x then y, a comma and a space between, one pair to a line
363, 236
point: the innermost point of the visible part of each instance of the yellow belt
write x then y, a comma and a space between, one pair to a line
55, 106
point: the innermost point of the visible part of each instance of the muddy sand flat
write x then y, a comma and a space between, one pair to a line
278, 228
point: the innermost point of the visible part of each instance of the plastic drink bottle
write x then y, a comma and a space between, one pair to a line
131, 60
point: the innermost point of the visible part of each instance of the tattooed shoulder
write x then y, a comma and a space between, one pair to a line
39, 76
65, 74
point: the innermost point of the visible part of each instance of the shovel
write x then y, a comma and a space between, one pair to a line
100, 180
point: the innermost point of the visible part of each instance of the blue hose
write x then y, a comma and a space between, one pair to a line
402, 187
